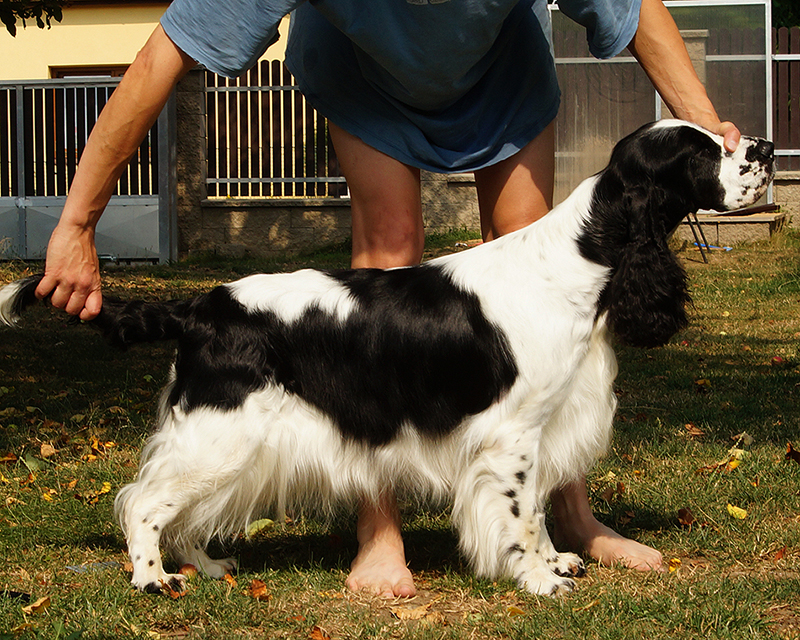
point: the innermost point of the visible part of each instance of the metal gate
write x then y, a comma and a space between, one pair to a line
44, 126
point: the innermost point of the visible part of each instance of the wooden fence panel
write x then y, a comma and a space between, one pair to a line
786, 96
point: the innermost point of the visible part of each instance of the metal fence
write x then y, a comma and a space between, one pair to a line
44, 127
43, 131
265, 140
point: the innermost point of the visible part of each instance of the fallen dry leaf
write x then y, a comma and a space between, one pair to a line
626, 518
37, 607
674, 564
47, 450
702, 385
435, 617
258, 526
727, 465
258, 590
411, 613
780, 554
792, 454
686, 517
229, 579
694, 431
514, 610
318, 633
91, 496
732, 464
736, 512
25, 626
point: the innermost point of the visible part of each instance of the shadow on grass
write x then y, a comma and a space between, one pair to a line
427, 549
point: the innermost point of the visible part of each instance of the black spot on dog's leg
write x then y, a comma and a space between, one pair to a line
151, 563
152, 587
520, 476
515, 509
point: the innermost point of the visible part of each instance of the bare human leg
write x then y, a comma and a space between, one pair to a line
511, 195
380, 566
387, 232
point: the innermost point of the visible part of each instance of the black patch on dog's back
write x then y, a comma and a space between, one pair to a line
417, 350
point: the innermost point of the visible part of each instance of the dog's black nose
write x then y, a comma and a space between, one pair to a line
762, 151
765, 150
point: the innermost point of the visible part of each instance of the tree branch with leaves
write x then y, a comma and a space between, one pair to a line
42, 11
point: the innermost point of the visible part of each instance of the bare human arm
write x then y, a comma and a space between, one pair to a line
72, 271
660, 50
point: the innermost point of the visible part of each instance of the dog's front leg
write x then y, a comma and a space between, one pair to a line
499, 512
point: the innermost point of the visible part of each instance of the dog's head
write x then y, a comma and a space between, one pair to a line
687, 168
655, 178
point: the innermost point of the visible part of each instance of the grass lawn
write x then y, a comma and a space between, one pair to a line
698, 469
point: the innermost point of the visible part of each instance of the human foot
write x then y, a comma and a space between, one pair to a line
381, 569
380, 565
576, 529
610, 548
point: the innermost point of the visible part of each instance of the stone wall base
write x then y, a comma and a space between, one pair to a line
266, 227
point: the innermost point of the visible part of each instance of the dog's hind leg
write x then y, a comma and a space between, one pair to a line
144, 516
201, 476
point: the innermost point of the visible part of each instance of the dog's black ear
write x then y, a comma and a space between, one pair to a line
647, 295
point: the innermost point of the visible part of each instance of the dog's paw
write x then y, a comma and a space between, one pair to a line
568, 565
165, 583
212, 568
218, 568
546, 583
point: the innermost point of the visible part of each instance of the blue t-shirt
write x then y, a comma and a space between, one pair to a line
444, 85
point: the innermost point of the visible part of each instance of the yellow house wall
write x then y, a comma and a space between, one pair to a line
93, 35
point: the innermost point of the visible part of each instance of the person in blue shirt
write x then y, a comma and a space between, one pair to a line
444, 85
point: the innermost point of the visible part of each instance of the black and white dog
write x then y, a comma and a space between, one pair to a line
483, 377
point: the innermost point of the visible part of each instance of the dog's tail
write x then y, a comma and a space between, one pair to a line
121, 323
15, 297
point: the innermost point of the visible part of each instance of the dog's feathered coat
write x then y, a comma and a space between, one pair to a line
483, 377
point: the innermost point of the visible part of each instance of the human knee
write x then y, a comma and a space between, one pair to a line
387, 248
